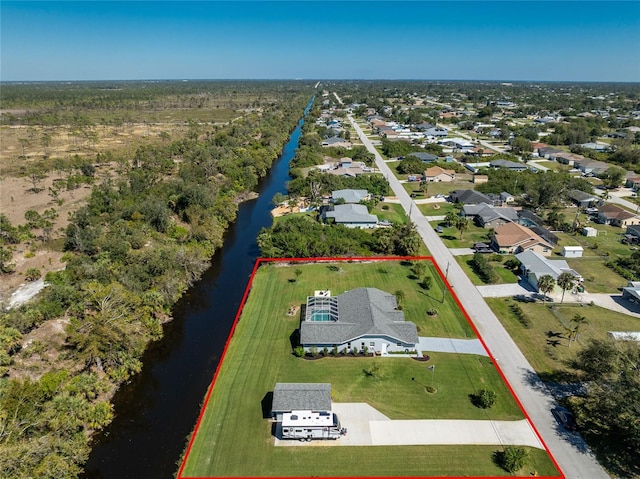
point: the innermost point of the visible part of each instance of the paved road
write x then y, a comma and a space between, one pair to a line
571, 453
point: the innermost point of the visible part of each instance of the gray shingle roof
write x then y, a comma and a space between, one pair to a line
361, 311
350, 196
301, 397
351, 214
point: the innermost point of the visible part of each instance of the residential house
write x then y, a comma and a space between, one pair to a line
436, 174
582, 198
359, 318
436, 132
549, 152
349, 196
510, 165
597, 146
336, 141
457, 143
633, 182
609, 214
631, 292
470, 197
423, 126
512, 238
350, 215
488, 216
423, 156
534, 266
287, 397
589, 166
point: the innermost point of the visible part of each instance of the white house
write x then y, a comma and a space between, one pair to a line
572, 251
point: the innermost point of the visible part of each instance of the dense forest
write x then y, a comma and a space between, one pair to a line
142, 238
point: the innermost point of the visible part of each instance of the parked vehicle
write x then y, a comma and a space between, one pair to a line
565, 418
308, 425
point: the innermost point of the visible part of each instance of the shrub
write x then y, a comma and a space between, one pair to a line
365, 350
485, 398
334, 351
512, 458
432, 311
33, 274
354, 351
325, 351
313, 351
427, 281
299, 351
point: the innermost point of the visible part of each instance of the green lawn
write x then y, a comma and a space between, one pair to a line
436, 209
451, 236
544, 341
394, 212
504, 275
234, 439
553, 165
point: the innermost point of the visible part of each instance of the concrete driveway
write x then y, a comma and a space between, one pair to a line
449, 345
366, 426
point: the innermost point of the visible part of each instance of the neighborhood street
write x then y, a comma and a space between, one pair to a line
569, 450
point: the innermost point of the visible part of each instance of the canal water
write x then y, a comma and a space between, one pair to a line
158, 409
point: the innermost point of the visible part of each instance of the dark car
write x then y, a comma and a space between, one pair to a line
565, 418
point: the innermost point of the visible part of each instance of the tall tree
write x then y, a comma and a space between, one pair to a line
462, 224
546, 284
566, 282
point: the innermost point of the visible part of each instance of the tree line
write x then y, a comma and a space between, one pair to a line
139, 242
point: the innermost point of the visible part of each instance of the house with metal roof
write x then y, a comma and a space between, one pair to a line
350, 215
287, 397
534, 266
423, 156
359, 318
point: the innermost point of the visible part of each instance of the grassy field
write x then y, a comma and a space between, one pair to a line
504, 275
543, 340
234, 439
436, 209
393, 212
473, 234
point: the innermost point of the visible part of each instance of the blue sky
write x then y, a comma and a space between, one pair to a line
504, 40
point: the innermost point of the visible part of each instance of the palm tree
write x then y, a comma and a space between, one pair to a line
577, 320
545, 285
450, 218
565, 281
462, 224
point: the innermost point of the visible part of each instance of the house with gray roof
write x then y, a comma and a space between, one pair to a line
351, 216
472, 197
349, 196
424, 156
510, 165
534, 266
287, 397
359, 318
488, 216
582, 198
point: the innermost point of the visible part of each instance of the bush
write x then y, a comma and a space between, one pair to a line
485, 398
33, 274
512, 458
334, 351
432, 311
354, 351
299, 351
325, 351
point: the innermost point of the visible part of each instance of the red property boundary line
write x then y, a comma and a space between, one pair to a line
257, 264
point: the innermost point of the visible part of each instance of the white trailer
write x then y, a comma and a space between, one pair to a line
308, 425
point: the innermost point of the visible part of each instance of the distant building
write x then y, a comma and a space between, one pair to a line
349, 196
572, 251
436, 174
510, 165
609, 214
